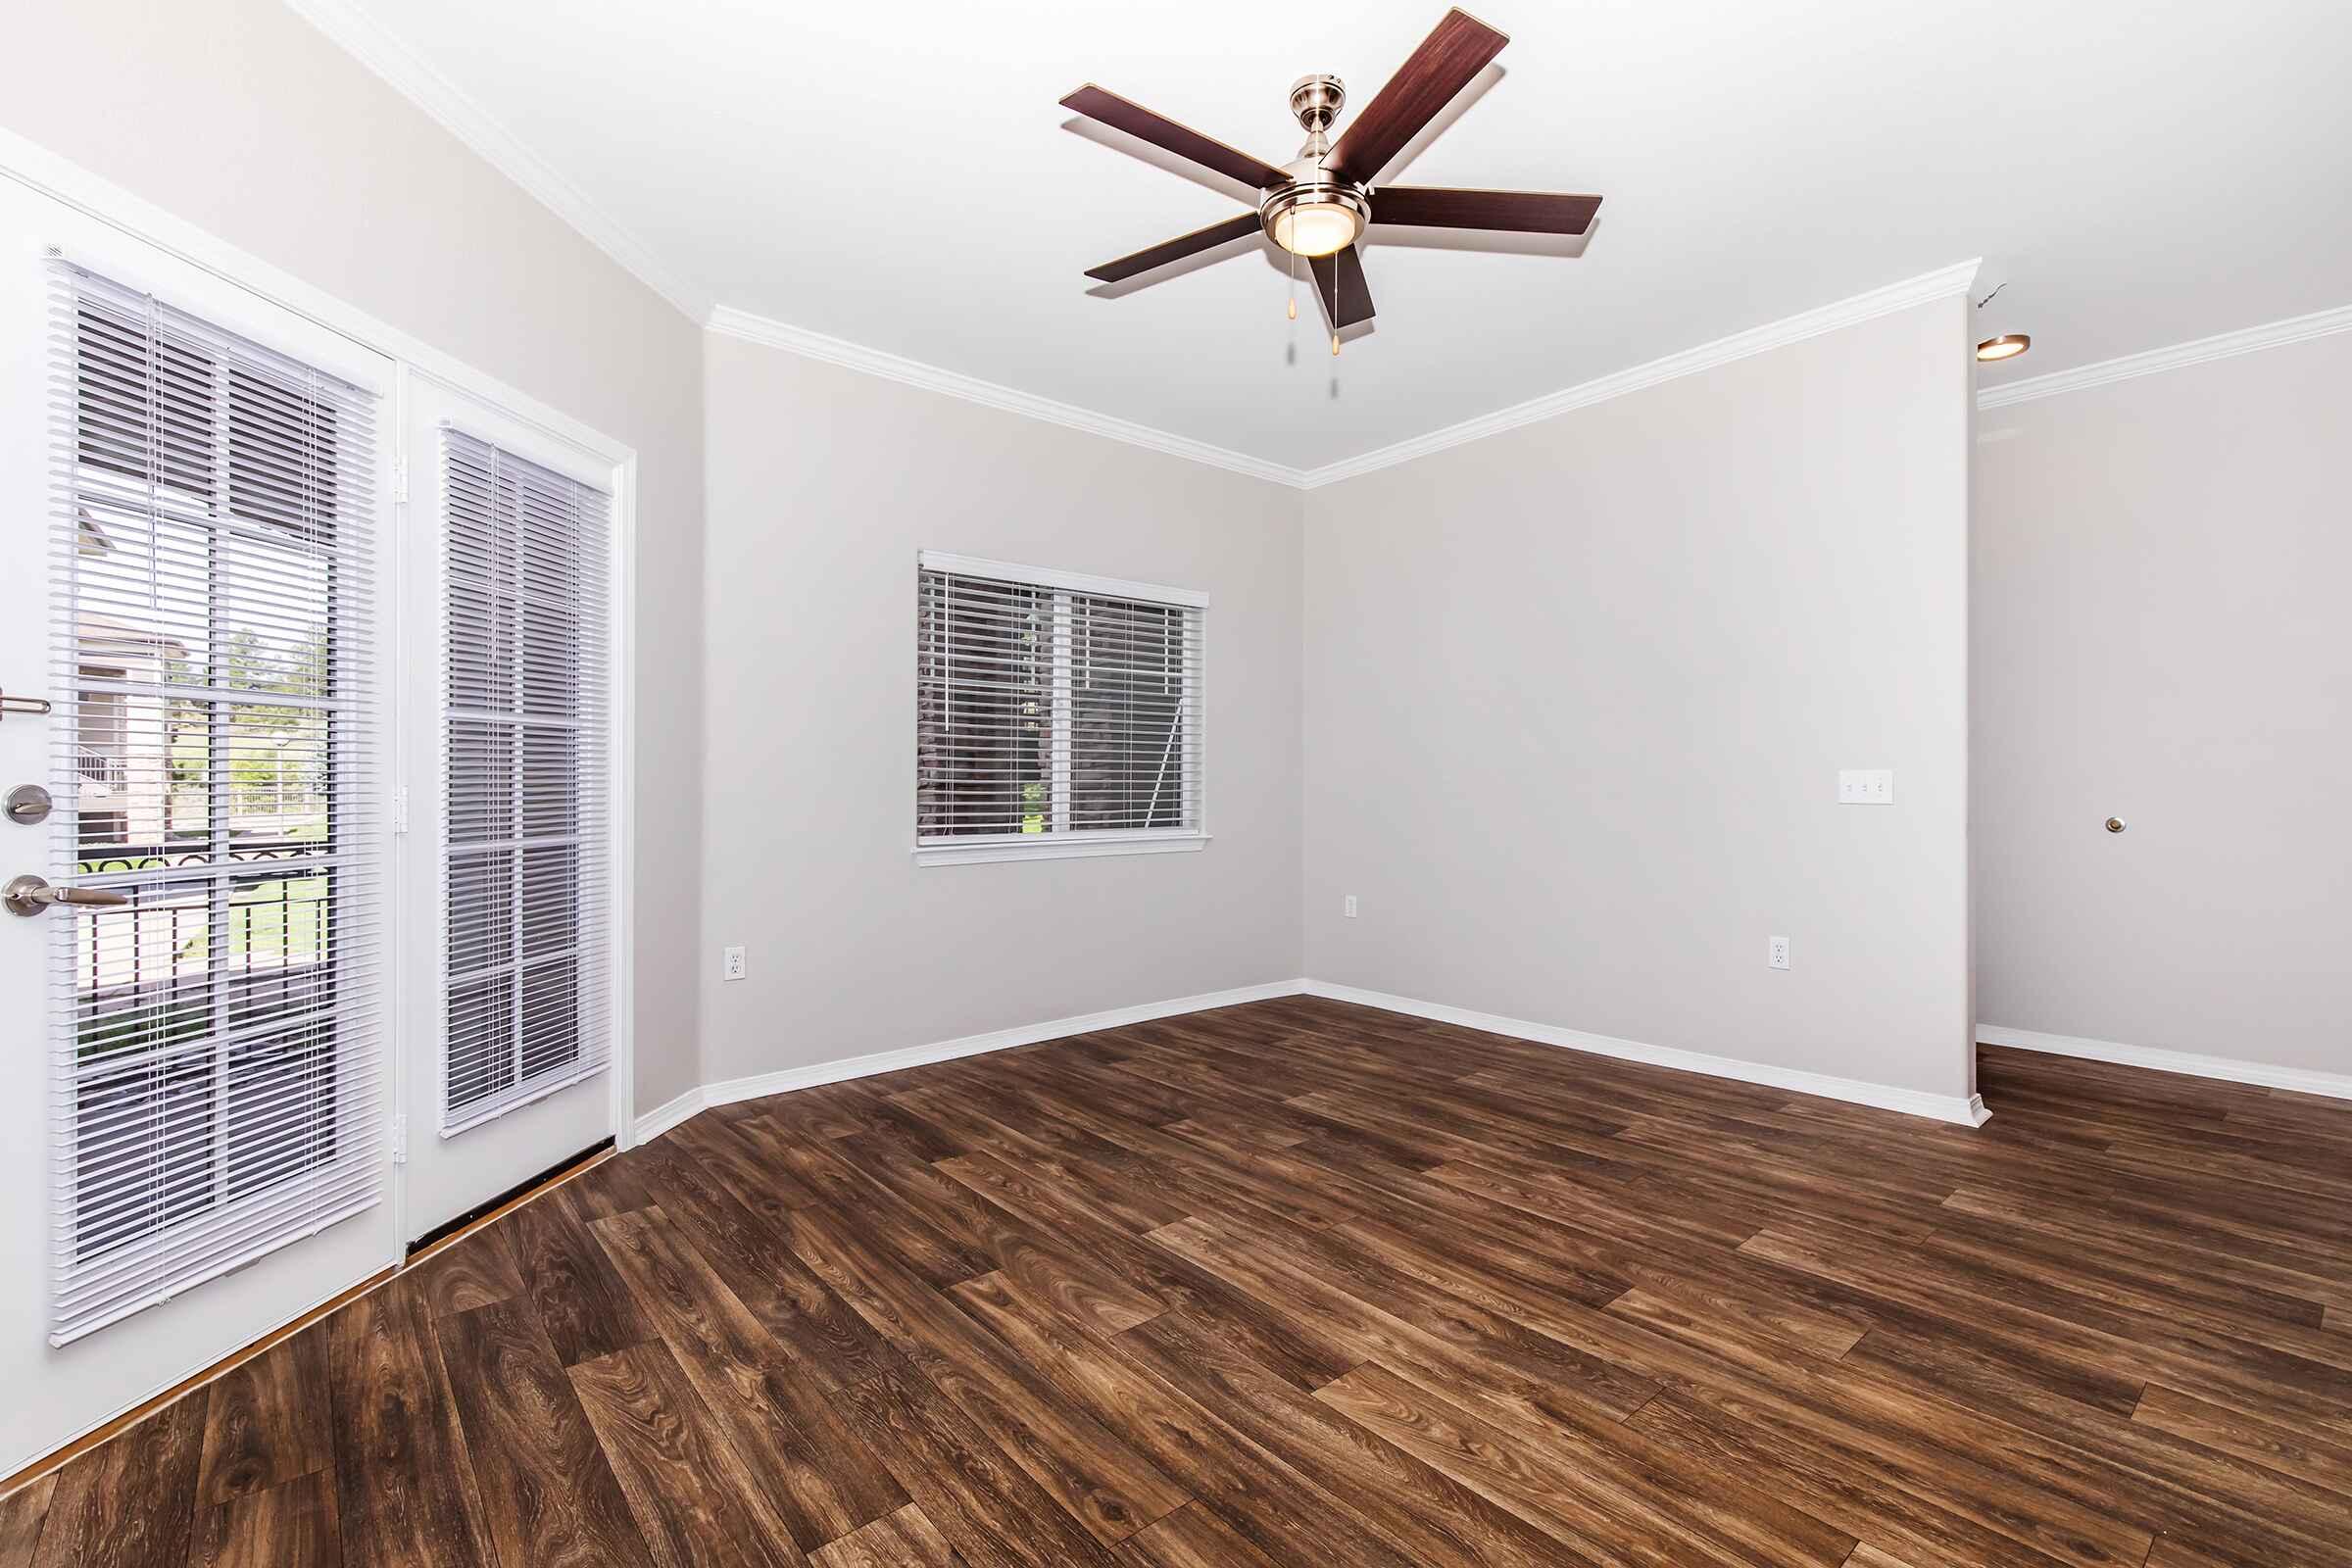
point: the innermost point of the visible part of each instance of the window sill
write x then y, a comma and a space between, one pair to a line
1052, 846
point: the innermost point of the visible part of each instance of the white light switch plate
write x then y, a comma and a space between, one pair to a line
1866, 786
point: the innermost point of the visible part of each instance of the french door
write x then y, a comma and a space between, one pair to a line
195, 1075
314, 942
511, 867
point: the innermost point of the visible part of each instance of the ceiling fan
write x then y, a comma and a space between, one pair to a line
1318, 204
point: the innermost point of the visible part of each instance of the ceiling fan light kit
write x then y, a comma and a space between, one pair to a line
1315, 218
1318, 206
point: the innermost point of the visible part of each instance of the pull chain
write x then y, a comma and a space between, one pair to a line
1294, 285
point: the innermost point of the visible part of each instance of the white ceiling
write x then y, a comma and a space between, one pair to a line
900, 176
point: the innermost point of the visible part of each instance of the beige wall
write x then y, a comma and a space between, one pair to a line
2160, 634
823, 485
238, 116
1577, 697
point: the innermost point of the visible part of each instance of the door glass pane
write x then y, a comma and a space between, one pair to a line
217, 1032
524, 735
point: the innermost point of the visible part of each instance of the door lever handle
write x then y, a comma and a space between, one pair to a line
30, 895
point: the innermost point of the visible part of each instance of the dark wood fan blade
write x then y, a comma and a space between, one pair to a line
1456, 50
1520, 212
1164, 133
1340, 281
1177, 249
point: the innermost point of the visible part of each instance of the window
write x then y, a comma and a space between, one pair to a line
218, 1036
1055, 713
528, 834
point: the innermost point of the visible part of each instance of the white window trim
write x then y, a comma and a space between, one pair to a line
978, 849
1064, 844
1077, 582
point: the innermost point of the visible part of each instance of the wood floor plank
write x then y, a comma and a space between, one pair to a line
1298, 1281
1308, 1357
1255, 1493
291, 1522
1413, 1326
979, 1501
548, 1490
2176, 1483
614, 1186
1843, 1487
1420, 1510
265, 1423
1869, 1557
902, 1540
1192, 1536
23, 1512
763, 1186
824, 1479
477, 1269
1098, 1479
2126, 1349
405, 1492
580, 1301
697, 1504
1589, 1513
131, 1501
827, 1111
991, 1236
824, 1338
2290, 1451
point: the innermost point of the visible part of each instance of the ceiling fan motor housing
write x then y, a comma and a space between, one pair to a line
1316, 99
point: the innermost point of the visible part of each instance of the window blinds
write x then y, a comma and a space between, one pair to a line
217, 1041
1049, 704
529, 833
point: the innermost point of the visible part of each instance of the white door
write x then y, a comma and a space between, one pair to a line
510, 862
193, 1078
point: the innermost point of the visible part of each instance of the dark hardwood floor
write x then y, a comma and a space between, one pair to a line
1299, 1283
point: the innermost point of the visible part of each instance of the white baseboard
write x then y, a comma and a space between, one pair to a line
2228, 1069
1966, 1111
661, 1118
760, 1085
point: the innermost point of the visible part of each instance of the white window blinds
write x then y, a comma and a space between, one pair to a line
1053, 708
530, 805
218, 1037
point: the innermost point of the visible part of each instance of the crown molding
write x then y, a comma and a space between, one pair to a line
728, 321
2221, 346
1796, 329
368, 41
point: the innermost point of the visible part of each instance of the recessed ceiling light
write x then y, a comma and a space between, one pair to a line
2008, 346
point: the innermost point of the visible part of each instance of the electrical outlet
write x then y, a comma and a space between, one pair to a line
1778, 954
1866, 786
731, 964
1348, 905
